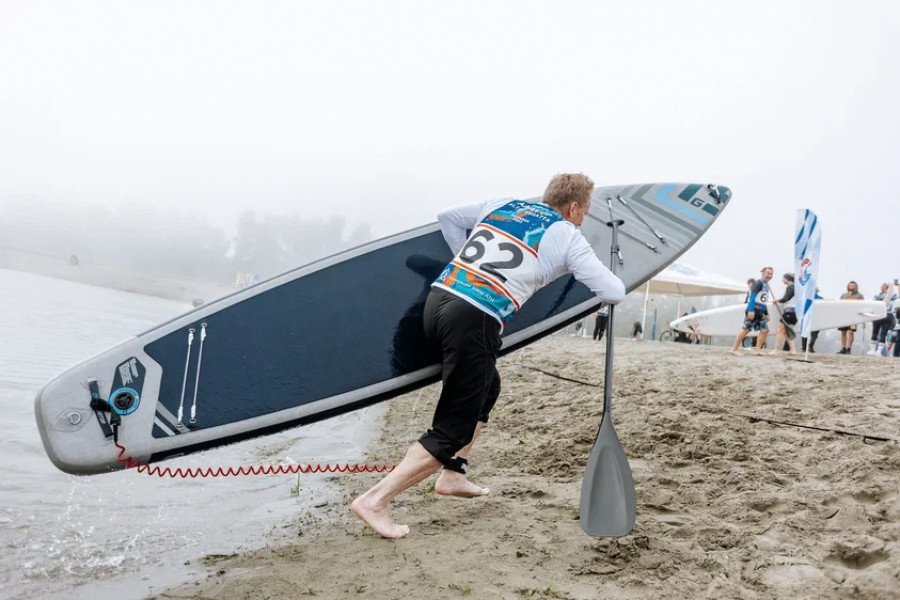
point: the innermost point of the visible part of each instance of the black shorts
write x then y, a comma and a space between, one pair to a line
469, 341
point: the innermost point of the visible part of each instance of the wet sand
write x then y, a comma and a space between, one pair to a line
729, 506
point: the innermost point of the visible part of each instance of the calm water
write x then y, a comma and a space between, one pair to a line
122, 535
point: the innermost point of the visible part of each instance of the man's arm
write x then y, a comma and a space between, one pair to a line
754, 290
583, 263
788, 294
455, 222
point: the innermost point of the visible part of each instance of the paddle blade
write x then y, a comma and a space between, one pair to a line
607, 491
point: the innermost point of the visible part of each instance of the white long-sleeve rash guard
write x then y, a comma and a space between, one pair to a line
562, 249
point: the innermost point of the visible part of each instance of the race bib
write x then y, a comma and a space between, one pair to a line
498, 266
503, 260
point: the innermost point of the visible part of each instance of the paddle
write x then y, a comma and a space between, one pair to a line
791, 334
607, 490
789, 331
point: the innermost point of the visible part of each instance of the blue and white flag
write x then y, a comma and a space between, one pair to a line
807, 244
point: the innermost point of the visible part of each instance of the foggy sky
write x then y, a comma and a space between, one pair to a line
385, 112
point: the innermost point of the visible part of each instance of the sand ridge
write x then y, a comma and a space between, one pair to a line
728, 506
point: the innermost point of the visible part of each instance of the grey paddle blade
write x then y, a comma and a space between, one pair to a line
607, 491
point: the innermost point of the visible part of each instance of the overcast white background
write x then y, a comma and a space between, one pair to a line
385, 112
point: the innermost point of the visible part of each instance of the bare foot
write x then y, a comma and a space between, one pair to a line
377, 518
736, 353
774, 352
451, 483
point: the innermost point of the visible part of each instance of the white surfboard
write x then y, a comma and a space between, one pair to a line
826, 314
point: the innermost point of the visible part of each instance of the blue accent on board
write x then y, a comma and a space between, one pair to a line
688, 192
127, 390
661, 195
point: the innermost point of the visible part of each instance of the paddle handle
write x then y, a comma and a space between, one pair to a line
615, 256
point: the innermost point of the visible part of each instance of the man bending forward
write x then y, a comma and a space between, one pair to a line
515, 248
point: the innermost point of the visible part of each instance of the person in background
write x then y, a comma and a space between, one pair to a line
750, 283
896, 329
881, 327
788, 316
813, 335
847, 333
600, 322
757, 317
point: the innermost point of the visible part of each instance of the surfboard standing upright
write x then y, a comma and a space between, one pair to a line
327, 338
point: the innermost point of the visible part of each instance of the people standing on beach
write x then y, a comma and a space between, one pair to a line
893, 339
515, 248
600, 322
848, 332
881, 327
750, 283
757, 317
637, 331
896, 329
813, 335
788, 316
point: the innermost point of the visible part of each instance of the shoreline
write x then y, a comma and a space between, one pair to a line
728, 505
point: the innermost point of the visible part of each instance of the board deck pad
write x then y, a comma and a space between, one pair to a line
330, 337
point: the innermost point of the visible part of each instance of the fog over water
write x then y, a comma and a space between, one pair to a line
186, 115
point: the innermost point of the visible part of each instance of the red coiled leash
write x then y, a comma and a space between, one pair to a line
194, 472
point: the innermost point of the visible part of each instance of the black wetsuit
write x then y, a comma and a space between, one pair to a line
600, 324
881, 327
788, 315
468, 340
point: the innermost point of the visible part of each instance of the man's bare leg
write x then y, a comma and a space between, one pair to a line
737, 341
451, 483
779, 342
761, 341
373, 506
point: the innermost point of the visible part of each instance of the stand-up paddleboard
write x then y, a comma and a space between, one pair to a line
826, 314
333, 336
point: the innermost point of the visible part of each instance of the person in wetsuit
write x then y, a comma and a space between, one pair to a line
757, 316
515, 248
785, 306
881, 327
600, 322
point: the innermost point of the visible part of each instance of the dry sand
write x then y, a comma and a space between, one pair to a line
728, 506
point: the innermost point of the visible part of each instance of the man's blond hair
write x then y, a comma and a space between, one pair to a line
569, 187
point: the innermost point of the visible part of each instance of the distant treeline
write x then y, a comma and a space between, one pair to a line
172, 242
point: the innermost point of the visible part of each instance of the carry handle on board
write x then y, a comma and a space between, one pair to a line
607, 491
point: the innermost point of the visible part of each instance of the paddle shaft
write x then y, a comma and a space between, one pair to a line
615, 255
788, 330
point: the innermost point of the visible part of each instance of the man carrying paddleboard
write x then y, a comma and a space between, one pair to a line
514, 249
757, 317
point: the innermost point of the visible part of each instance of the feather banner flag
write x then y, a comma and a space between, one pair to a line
807, 245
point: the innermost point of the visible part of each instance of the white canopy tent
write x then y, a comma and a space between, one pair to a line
679, 279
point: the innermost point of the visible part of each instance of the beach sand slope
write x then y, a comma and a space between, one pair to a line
728, 506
